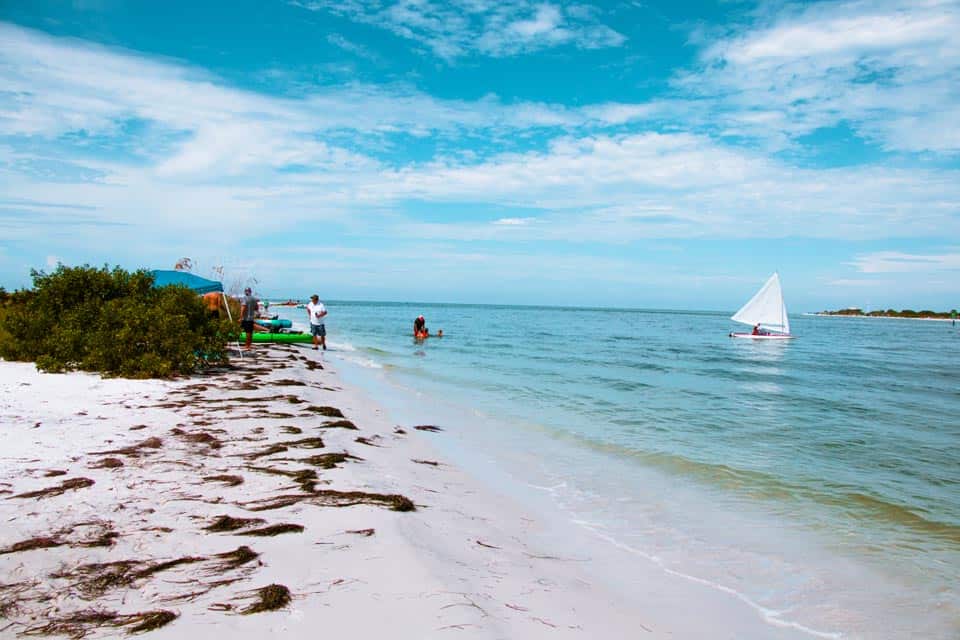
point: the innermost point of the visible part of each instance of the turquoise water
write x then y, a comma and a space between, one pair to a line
818, 478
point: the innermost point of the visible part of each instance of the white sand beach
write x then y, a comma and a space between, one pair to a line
109, 487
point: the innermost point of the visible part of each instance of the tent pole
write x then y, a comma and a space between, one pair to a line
226, 305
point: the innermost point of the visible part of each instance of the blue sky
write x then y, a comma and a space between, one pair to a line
633, 154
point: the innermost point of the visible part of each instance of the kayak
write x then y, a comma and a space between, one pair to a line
275, 323
279, 337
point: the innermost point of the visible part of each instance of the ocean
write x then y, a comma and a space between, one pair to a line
817, 479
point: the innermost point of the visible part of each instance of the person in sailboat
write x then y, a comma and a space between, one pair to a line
757, 331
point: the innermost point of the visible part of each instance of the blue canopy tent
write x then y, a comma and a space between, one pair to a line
166, 277
163, 278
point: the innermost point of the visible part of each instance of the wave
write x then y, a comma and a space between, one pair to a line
849, 502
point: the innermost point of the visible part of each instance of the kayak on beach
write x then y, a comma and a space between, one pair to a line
288, 338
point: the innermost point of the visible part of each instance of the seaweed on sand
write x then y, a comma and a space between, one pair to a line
135, 450
269, 598
328, 460
366, 441
306, 478
273, 530
107, 463
40, 542
231, 560
430, 462
333, 498
277, 415
79, 623
93, 580
330, 412
147, 620
63, 487
427, 427
200, 437
226, 523
229, 480
105, 539
289, 429
269, 451
338, 424
286, 382
306, 443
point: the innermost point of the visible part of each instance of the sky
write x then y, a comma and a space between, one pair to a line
648, 154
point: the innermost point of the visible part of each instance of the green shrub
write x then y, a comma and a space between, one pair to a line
112, 321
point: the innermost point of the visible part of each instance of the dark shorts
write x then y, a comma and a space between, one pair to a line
318, 330
247, 325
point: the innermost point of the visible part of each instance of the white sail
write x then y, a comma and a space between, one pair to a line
766, 308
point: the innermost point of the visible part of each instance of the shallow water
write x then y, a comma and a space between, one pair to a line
818, 478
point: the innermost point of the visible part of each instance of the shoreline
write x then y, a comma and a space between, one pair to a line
842, 315
131, 536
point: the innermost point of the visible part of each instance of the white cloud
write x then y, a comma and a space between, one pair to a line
208, 156
897, 262
888, 68
486, 27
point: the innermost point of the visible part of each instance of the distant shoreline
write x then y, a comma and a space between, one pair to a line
826, 314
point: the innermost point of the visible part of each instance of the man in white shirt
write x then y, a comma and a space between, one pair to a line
317, 311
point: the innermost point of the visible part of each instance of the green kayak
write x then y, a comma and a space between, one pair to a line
279, 337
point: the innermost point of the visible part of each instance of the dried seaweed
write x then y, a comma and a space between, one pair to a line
107, 463
201, 437
226, 523
270, 598
41, 542
269, 451
333, 498
330, 412
328, 460
305, 443
233, 559
306, 478
229, 480
286, 382
134, 451
338, 424
79, 623
63, 487
273, 530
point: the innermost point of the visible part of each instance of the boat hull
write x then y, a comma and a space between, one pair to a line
761, 336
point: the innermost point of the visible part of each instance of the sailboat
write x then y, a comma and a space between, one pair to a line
766, 312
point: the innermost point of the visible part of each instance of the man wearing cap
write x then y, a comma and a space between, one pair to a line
248, 312
317, 311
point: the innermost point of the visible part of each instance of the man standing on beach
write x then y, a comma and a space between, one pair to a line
248, 311
317, 311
